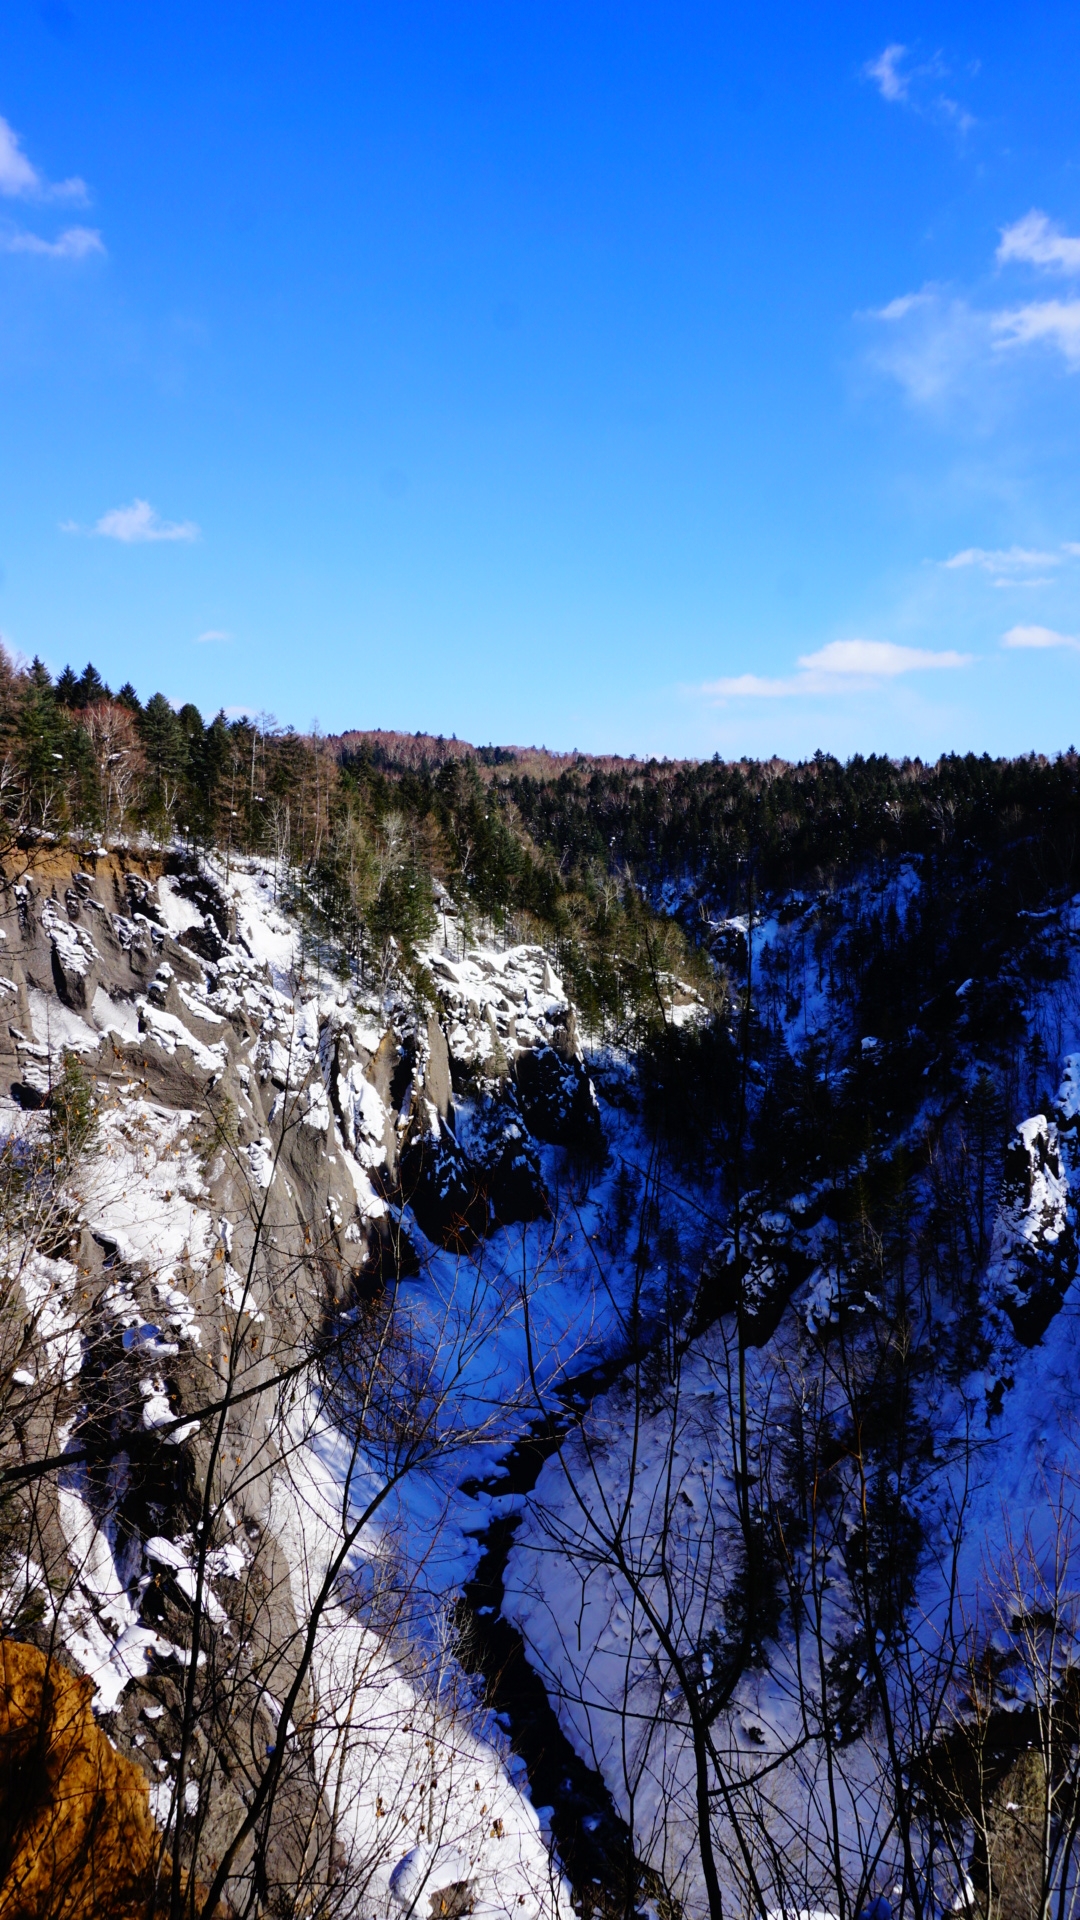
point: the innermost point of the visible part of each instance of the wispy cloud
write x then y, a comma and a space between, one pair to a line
1009, 566
211, 634
841, 666
886, 70
754, 686
1039, 638
135, 525
21, 180
928, 342
1055, 323
1040, 242
1005, 559
936, 344
908, 83
73, 244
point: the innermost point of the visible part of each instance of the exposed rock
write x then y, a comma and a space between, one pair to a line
362, 1112
253, 1125
444, 1190
390, 1256
1034, 1254
436, 1082
557, 1098
760, 1280
508, 1164
74, 957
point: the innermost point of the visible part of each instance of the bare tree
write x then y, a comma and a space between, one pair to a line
119, 760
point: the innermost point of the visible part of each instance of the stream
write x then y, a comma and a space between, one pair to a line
594, 1845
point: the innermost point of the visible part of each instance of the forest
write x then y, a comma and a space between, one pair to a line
599, 855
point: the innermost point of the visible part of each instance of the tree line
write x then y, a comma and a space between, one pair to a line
364, 849
618, 868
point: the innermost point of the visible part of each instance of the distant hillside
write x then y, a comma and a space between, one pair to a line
411, 752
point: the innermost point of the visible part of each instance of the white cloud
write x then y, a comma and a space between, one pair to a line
1037, 240
962, 120
936, 344
141, 522
902, 306
1014, 561
841, 666
136, 524
1057, 322
21, 180
211, 634
74, 244
879, 658
1040, 638
895, 84
886, 71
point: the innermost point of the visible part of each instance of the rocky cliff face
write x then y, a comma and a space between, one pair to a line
217, 1158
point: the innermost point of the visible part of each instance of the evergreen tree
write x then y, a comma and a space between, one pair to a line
40, 738
165, 747
86, 689
210, 755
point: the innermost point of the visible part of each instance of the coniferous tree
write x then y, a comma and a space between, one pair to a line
40, 747
165, 748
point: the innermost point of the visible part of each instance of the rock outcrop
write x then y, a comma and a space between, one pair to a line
1034, 1254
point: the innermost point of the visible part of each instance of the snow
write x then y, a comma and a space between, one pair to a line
179, 915
58, 1028
169, 1033
117, 1015
168, 1553
200, 1006
72, 944
268, 935
97, 1621
401, 1758
529, 1308
260, 1157
143, 1189
48, 1287
1016, 1491
364, 1116
497, 1001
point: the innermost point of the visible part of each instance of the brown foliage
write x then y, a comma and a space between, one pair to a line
76, 1837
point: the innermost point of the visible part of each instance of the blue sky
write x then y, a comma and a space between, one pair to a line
665, 379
